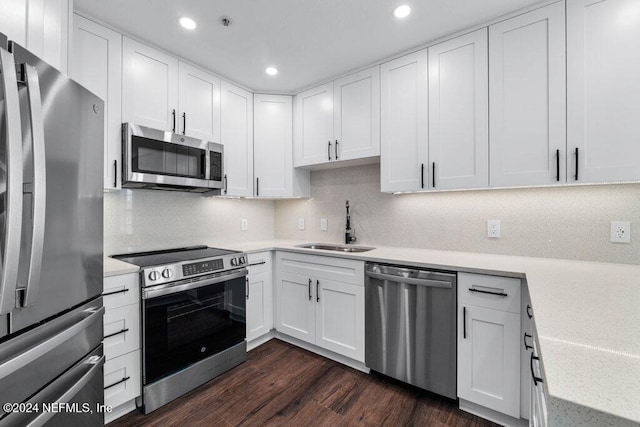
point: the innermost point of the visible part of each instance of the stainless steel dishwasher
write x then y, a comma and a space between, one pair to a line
410, 326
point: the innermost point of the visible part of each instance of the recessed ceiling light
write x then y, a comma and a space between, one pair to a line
402, 11
272, 71
188, 23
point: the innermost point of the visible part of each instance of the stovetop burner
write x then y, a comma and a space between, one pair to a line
172, 256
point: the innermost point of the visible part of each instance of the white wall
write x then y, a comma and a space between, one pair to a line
561, 222
139, 220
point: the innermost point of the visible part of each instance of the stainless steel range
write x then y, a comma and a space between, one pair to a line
193, 318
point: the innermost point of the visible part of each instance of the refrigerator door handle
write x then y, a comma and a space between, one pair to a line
23, 358
39, 184
13, 193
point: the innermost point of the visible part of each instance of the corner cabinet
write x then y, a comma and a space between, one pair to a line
96, 63
404, 123
237, 138
320, 300
273, 168
603, 90
527, 107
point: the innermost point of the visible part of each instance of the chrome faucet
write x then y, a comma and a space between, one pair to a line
350, 233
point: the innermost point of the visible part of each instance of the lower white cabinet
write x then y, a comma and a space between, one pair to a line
259, 295
121, 379
489, 342
121, 330
320, 300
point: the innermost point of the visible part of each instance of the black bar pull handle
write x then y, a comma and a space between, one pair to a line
247, 283
558, 165
536, 380
310, 289
116, 383
122, 331
317, 291
524, 339
529, 311
500, 294
115, 173
184, 123
464, 323
422, 176
257, 186
122, 291
226, 182
329, 151
433, 175
577, 152
173, 113
336, 149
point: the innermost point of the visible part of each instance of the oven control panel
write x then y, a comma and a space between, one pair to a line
202, 267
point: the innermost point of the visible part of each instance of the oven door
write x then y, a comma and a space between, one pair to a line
188, 322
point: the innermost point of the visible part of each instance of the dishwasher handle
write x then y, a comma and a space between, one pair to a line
410, 280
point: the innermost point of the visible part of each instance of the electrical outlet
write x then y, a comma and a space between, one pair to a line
324, 224
620, 232
244, 224
300, 223
493, 228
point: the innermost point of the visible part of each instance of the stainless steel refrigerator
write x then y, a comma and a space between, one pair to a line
51, 162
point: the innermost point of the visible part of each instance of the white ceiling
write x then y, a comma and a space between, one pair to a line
307, 40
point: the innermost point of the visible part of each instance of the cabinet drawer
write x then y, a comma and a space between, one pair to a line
122, 379
259, 258
495, 292
121, 330
121, 290
322, 267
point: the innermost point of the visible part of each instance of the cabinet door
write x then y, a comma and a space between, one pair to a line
603, 90
404, 130
149, 87
273, 145
121, 380
340, 318
459, 113
96, 63
528, 99
356, 115
121, 330
259, 305
13, 20
489, 358
199, 101
314, 126
526, 347
296, 306
237, 138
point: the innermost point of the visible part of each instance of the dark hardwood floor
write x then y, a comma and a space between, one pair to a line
281, 384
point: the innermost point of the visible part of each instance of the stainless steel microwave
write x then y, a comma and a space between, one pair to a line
162, 160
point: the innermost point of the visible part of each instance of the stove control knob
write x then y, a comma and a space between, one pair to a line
242, 260
154, 275
234, 262
167, 273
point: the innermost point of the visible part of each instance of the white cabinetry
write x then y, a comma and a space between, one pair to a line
149, 87
603, 90
404, 126
96, 63
488, 342
42, 26
237, 138
273, 149
320, 300
122, 373
199, 103
259, 295
458, 113
314, 126
528, 98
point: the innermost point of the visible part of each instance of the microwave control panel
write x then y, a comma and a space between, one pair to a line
202, 267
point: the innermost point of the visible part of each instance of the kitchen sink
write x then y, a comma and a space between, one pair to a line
337, 248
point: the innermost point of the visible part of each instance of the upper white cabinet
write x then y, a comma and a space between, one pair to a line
528, 98
275, 175
339, 121
42, 26
458, 113
603, 90
356, 115
237, 138
150, 87
96, 63
314, 126
404, 123
199, 103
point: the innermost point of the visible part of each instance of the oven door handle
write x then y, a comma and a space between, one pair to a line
169, 289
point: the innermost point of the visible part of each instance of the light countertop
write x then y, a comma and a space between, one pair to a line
114, 267
586, 313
